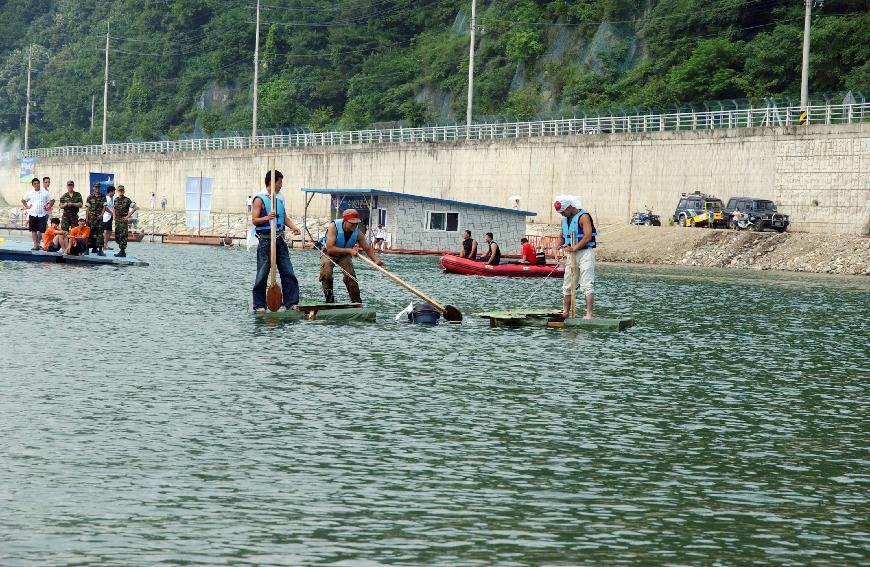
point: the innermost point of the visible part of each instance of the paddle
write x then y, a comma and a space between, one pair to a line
573, 280
274, 297
450, 313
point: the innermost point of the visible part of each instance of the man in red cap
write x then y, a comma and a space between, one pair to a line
341, 243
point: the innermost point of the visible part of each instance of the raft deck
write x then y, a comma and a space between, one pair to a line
313, 310
19, 250
544, 317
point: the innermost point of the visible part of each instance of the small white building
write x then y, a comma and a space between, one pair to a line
415, 222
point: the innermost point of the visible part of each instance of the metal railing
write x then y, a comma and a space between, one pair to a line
769, 116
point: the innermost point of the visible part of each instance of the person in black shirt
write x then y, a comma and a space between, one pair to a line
469, 247
493, 252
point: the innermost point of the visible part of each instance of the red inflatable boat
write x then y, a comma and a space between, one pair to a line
464, 266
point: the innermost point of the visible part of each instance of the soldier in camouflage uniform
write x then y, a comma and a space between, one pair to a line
70, 203
124, 209
95, 205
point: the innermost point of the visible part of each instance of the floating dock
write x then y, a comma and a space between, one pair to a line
194, 239
311, 310
543, 317
19, 250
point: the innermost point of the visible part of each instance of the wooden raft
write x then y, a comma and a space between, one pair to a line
543, 317
313, 310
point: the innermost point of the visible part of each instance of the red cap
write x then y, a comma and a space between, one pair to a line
350, 216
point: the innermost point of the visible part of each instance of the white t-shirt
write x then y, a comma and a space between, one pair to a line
110, 205
380, 233
250, 201
37, 201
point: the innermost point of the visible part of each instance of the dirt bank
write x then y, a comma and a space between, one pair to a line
795, 252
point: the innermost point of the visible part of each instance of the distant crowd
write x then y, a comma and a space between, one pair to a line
105, 210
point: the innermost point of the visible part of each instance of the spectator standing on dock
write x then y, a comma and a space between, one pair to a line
163, 201
250, 203
96, 202
70, 202
108, 215
381, 238
262, 217
341, 243
577, 223
493, 252
469, 246
38, 203
124, 209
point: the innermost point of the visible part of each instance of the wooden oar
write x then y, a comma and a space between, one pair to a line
274, 297
573, 280
450, 313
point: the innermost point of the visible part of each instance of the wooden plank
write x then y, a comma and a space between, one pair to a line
595, 324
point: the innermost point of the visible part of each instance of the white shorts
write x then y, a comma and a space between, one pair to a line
584, 263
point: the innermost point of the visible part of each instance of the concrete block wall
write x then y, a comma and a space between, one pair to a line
407, 218
818, 175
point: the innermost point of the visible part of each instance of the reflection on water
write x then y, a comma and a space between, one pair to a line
148, 419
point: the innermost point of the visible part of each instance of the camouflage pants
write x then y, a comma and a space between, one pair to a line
69, 220
96, 240
122, 232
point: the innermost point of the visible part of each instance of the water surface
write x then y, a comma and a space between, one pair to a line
147, 419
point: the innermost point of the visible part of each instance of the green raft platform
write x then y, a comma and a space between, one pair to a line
311, 310
543, 317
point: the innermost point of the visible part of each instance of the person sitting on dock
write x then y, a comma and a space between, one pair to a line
577, 223
338, 249
493, 252
469, 246
262, 217
78, 239
54, 239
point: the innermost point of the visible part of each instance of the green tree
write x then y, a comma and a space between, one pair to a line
711, 72
320, 119
355, 116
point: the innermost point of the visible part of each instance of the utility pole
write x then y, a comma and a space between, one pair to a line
27, 110
805, 67
106, 90
256, 74
93, 101
471, 71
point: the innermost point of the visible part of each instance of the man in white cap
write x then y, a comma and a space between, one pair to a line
341, 243
578, 240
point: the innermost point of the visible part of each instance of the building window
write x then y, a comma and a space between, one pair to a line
443, 221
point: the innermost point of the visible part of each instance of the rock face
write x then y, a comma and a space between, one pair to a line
794, 252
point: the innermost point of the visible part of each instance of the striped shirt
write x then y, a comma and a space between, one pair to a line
37, 201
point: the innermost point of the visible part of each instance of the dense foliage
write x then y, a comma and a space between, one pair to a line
185, 67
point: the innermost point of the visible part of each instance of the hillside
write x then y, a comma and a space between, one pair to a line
184, 67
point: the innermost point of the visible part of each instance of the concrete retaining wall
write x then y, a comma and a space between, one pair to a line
819, 175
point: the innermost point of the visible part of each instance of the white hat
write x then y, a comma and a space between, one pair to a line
562, 202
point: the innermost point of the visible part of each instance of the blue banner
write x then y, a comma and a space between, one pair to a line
104, 179
28, 169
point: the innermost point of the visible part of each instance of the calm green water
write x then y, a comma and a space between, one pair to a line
146, 419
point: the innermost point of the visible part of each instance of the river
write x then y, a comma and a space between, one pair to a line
146, 418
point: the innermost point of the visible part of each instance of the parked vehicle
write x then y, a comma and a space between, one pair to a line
699, 209
645, 218
754, 214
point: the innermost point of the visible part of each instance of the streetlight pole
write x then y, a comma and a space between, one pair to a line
106, 90
805, 66
256, 74
471, 71
27, 110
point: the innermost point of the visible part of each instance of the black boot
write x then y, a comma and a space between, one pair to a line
100, 251
121, 254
